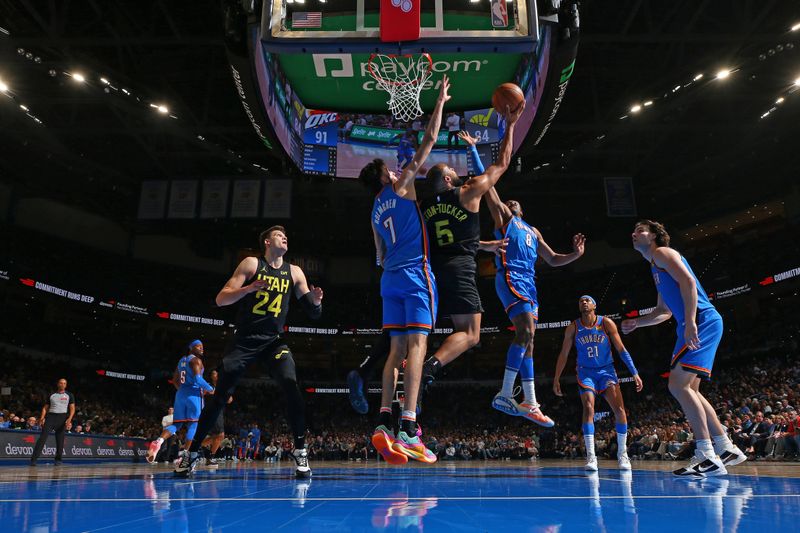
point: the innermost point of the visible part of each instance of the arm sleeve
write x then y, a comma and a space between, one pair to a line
200, 380
626, 358
476, 159
313, 311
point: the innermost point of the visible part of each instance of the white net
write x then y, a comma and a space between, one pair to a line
403, 78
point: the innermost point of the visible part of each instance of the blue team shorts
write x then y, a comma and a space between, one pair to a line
700, 361
409, 300
188, 405
596, 380
517, 292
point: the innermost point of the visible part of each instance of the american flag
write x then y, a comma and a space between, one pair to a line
310, 19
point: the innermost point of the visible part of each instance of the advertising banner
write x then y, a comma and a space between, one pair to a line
18, 444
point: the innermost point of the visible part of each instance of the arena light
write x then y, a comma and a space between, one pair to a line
648, 103
795, 27
23, 107
3, 87
797, 82
636, 108
77, 76
698, 77
722, 74
162, 109
779, 100
104, 81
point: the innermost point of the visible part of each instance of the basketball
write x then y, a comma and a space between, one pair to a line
507, 95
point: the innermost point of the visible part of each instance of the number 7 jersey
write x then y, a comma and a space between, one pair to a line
264, 312
398, 223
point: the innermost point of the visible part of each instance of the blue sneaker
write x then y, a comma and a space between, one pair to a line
357, 398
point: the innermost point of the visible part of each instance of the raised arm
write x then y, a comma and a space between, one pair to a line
310, 296
555, 259
561, 362
409, 174
501, 214
480, 185
234, 290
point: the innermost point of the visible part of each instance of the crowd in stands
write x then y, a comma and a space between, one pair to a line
756, 399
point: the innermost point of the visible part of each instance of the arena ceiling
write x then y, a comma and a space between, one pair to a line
701, 147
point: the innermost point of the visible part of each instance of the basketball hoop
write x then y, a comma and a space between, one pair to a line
402, 76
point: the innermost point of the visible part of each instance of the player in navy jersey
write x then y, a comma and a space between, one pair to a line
592, 336
188, 379
408, 288
521, 246
699, 331
262, 287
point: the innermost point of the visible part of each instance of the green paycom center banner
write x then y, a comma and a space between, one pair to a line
385, 135
341, 82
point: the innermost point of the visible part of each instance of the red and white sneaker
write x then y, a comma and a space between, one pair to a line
152, 451
535, 415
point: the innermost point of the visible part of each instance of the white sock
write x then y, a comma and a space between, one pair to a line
160, 441
588, 440
509, 377
721, 443
704, 445
530, 391
622, 444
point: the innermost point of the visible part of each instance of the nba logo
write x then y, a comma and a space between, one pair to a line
499, 14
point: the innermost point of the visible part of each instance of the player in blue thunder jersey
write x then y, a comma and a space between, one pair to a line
408, 289
405, 148
592, 335
516, 289
699, 331
188, 379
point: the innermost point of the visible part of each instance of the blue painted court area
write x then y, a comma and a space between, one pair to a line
457, 497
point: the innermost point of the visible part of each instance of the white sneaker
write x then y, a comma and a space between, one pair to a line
591, 463
702, 466
732, 456
506, 405
624, 462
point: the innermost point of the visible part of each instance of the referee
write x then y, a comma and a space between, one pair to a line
55, 416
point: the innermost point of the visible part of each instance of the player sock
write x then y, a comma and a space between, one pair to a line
622, 439
704, 445
526, 373
408, 423
513, 362
588, 438
385, 417
721, 443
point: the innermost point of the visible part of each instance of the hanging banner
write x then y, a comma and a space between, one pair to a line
214, 203
245, 198
620, 198
182, 199
152, 200
277, 199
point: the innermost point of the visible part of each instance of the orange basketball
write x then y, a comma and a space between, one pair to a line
507, 95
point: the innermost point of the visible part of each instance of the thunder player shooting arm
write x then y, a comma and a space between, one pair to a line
475, 188
234, 290
405, 185
556, 260
613, 334
197, 368
310, 296
566, 346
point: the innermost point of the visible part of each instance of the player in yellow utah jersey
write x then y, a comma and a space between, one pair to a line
261, 286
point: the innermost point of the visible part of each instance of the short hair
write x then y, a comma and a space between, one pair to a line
371, 174
267, 233
662, 237
435, 175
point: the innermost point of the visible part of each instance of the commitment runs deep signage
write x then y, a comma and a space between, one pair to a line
20, 444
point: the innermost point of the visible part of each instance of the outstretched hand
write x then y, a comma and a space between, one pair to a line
512, 115
579, 243
467, 138
443, 96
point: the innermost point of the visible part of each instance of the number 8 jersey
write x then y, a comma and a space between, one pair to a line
263, 312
